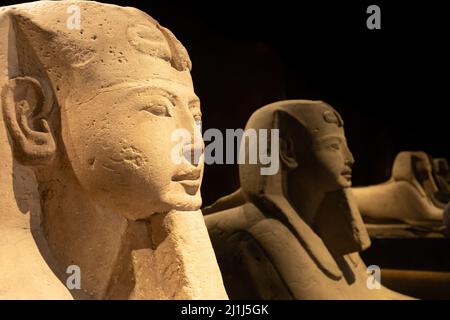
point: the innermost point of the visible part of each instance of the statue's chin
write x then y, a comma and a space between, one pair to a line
345, 182
183, 196
187, 202
173, 202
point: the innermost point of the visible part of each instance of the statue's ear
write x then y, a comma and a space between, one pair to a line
287, 154
283, 121
26, 105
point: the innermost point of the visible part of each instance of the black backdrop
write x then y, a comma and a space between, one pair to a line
390, 85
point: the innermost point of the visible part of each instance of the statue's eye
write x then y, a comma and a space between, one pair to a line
335, 146
160, 106
157, 110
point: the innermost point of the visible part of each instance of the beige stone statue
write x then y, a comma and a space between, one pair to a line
295, 234
447, 219
442, 176
91, 93
408, 196
441, 167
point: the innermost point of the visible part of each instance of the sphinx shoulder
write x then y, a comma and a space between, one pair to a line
237, 219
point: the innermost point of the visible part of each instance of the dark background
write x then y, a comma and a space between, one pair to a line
389, 85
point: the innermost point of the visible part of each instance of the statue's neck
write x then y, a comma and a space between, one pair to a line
303, 197
306, 201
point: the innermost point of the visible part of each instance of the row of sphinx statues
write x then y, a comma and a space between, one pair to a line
308, 218
93, 207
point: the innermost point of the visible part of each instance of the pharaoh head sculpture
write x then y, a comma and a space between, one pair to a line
313, 147
90, 105
441, 168
103, 99
315, 170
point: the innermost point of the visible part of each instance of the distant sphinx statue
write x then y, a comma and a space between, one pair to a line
409, 195
442, 176
441, 167
87, 181
295, 234
447, 219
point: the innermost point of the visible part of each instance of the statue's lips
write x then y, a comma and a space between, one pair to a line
347, 174
190, 180
194, 174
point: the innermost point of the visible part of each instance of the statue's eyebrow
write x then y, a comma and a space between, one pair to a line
153, 89
194, 101
130, 90
332, 136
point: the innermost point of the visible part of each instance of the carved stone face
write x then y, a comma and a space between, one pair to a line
333, 157
322, 154
122, 86
125, 158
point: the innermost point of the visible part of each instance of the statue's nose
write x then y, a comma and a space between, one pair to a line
349, 159
192, 152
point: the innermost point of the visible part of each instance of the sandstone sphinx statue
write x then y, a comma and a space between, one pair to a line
85, 146
441, 167
408, 196
442, 176
295, 234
